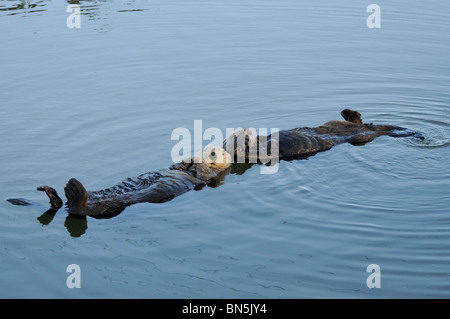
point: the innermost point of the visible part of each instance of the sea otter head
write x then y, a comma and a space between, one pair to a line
216, 157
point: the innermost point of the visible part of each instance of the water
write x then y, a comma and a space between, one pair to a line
99, 103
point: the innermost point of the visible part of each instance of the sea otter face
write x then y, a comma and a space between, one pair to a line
216, 157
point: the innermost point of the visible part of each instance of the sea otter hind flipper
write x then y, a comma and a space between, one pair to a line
351, 116
55, 201
76, 196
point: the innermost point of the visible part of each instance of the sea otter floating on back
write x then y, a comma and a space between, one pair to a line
164, 185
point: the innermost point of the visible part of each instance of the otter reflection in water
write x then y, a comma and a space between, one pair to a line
210, 168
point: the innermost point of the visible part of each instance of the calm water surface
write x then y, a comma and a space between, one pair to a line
99, 103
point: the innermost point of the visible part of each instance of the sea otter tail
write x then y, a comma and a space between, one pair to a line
76, 196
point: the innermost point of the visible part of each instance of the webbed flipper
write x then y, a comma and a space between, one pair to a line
55, 201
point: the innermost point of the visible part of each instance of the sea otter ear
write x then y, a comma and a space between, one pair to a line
351, 116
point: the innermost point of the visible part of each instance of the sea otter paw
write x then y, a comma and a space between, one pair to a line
55, 201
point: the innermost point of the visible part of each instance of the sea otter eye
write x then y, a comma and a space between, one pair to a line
213, 153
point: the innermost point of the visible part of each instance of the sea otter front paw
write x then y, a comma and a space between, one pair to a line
55, 201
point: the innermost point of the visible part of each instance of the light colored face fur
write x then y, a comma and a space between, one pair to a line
216, 157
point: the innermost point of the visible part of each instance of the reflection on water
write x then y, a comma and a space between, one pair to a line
93, 9
22, 6
75, 225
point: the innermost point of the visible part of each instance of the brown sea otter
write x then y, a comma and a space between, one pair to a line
153, 187
164, 185
302, 142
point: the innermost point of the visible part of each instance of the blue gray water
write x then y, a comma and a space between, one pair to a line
99, 103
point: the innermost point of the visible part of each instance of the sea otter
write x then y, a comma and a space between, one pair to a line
213, 162
152, 187
302, 142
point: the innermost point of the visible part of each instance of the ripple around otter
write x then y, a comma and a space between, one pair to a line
99, 104
434, 138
